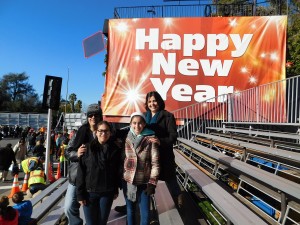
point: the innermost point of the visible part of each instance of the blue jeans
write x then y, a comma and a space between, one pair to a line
144, 204
97, 209
72, 206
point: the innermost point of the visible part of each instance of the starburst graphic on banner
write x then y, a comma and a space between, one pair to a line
252, 80
168, 21
232, 22
137, 58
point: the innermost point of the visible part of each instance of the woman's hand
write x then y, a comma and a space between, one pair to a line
81, 150
83, 202
155, 140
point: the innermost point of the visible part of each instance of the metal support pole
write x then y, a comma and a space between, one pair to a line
244, 155
283, 206
48, 141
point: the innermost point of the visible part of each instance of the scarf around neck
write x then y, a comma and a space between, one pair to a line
136, 139
151, 119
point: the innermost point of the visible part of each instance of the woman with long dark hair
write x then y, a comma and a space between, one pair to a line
98, 176
163, 124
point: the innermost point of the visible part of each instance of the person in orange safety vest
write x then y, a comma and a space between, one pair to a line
37, 180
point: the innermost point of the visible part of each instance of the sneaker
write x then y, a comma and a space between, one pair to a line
121, 209
28, 193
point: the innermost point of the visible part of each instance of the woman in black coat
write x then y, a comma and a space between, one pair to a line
163, 124
98, 176
7, 156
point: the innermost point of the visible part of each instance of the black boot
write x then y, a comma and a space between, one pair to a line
121, 209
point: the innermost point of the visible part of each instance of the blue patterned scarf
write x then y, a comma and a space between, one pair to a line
151, 119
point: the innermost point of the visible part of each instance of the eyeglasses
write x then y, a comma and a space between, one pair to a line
103, 132
93, 115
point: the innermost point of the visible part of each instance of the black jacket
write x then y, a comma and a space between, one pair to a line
39, 150
99, 169
83, 136
7, 155
166, 131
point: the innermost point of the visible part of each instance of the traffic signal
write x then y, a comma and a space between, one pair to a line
52, 90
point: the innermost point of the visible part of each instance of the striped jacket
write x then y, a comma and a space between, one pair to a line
141, 166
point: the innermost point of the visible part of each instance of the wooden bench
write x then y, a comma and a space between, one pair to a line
47, 199
278, 153
245, 137
258, 133
227, 147
234, 211
167, 211
47, 191
54, 215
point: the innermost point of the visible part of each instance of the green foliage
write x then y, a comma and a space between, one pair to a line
293, 47
72, 100
17, 95
71, 106
78, 106
193, 187
105, 61
208, 210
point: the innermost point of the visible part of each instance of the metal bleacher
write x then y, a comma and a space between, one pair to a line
253, 155
233, 210
279, 153
269, 134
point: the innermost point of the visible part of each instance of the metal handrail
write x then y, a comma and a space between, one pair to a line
275, 103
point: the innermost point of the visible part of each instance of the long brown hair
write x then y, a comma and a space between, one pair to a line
7, 212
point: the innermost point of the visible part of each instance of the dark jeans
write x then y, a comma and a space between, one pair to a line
173, 186
97, 209
36, 187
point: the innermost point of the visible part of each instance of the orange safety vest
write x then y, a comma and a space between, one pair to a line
36, 177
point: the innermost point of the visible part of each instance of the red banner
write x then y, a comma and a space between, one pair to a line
190, 60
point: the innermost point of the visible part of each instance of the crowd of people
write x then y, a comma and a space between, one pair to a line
103, 160
28, 156
15, 131
33, 144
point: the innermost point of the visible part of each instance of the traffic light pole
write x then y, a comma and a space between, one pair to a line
48, 141
51, 101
